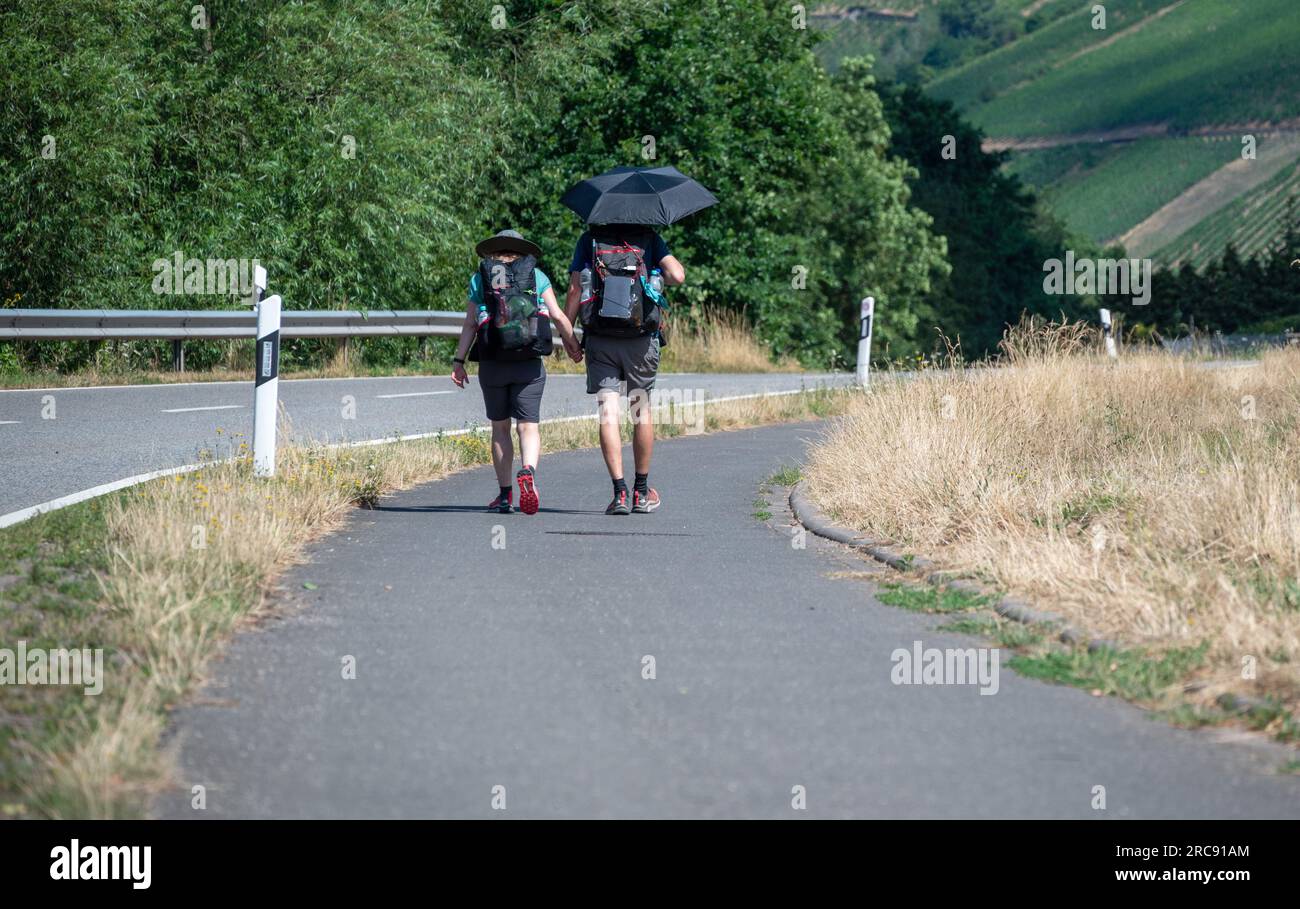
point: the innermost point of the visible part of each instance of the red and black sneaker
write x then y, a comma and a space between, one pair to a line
501, 504
619, 505
528, 501
644, 502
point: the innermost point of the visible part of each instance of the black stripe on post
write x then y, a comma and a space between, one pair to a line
268, 358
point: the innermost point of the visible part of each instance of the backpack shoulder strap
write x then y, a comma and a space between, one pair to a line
525, 272
646, 240
485, 281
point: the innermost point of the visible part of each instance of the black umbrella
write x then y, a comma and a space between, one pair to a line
638, 195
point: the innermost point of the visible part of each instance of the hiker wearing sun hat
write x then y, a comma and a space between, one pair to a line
507, 330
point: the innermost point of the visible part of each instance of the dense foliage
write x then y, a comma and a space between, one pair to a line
358, 149
1232, 295
998, 237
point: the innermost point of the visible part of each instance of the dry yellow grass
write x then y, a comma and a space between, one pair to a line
191, 556
708, 340
1151, 500
719, 341
194, 555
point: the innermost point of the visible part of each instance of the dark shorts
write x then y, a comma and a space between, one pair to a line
513, 389
613, 361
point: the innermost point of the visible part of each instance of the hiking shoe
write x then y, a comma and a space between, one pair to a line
619, 505
644, 503
528, 501
501, 504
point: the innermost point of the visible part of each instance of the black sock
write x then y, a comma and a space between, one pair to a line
507, 491
620, 486
642, 483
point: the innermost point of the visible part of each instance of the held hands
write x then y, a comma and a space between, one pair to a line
458, 374
573, 349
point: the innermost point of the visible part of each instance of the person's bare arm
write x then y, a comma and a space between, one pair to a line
571, 345
558, 316
573, 299
672, 270
468, 329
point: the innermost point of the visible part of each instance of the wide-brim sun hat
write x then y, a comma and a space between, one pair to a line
507, 241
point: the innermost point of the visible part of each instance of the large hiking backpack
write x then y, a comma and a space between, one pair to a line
622, 303
517, 327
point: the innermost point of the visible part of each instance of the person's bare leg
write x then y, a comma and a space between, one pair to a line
530, 444
643, 433
611, 438
503, 452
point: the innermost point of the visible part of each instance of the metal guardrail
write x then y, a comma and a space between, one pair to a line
1226, 345
179, 326
176, 325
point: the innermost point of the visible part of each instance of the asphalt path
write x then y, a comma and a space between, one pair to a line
57, 442
505, 656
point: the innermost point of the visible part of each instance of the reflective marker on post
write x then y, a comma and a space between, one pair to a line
864, 340
267, 382
1106, 332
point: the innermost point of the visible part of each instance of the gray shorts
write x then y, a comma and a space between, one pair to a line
613, 361
513, 389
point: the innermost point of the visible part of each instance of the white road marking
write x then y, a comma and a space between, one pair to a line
192, 409
9, 422
15, 517
416, 394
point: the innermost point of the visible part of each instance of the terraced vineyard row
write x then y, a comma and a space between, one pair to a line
1206, 62
1251, 222
1104, 190
1036, 55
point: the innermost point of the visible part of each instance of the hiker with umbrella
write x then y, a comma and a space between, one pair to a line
616, 280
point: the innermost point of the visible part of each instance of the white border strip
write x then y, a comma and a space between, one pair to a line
17, 517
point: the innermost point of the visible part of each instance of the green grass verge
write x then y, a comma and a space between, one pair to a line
786, 476
1132, 674
1151, 679
1004, 632
49, 599
926, 598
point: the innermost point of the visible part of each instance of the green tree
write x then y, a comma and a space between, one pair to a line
998, 237
230, 137
233, 137
733, 96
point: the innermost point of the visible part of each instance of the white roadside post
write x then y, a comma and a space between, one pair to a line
864, 340
266, 390
1108, 334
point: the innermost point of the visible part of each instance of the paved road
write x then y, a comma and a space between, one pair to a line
101, 435
522, 667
